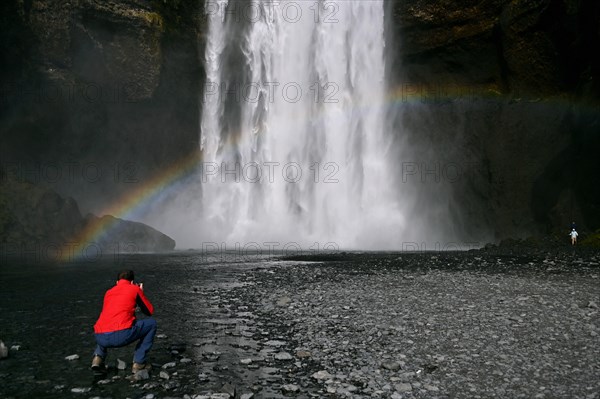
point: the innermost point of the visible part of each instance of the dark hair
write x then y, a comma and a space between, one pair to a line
126, 275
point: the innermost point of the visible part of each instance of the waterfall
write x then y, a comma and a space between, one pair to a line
293, 140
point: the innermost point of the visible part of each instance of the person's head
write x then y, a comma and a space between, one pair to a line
125, 275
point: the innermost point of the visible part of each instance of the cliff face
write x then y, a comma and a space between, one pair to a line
496, 103
103, 85
507, 92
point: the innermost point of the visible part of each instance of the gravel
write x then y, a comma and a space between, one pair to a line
477, 324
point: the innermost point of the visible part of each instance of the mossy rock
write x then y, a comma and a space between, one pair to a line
592, 240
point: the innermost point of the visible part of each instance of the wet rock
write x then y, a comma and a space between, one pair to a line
247, 396
164, 375
169, 365
430, 387
246, 361
403, 387
283, 301
283, 356
180, 347
185, 360
3, 351
211, 357
303, 354
393, 366
121, 365
80, 390
275, 343
290, 388
141, 375
161, 336
322, 375
72, 357
228, 389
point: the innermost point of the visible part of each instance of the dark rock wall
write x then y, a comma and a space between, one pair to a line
495, 102
99, 94
509, 91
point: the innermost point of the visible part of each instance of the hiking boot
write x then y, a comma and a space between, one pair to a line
97, 363
140, 366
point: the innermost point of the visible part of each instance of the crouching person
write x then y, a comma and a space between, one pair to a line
117, 325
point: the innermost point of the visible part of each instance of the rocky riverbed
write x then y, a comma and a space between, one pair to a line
478, 324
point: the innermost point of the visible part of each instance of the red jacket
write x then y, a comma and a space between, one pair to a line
119, 307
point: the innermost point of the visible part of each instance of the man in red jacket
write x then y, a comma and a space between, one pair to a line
117, 325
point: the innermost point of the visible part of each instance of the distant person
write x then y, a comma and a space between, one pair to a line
573, 226
117, 325
573, 235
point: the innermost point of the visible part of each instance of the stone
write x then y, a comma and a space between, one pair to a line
228, 389
141, 375
3, 351
121, 365
161, 336
430, 387
185, 360
393, 366
15, 348
275, 343
283, 301
403, 387
247, 396
322, 375
164, 375
169, 365
220, 395
303, 354
72, 357
81, 390
246, 361
283, 356
179, 347
290, 388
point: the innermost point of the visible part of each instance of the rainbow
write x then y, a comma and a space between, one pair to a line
166, 181
134, 201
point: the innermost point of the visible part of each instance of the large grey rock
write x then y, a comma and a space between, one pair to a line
141, 375
36, 221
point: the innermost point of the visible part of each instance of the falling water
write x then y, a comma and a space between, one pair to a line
293, 137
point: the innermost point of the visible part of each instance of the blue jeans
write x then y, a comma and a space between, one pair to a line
142, 330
